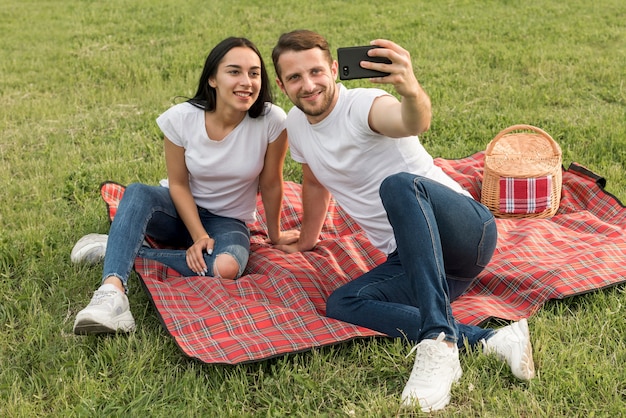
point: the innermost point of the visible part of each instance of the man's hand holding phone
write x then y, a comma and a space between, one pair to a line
389, 63
350, 62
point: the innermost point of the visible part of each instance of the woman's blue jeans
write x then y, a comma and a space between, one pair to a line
149, 210
444, 240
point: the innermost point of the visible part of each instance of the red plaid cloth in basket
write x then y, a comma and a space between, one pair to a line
532, 195
278, 306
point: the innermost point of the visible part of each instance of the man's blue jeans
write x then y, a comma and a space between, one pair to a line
149, 210
444, 240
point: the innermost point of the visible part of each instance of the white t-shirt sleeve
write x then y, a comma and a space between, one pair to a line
170, 123
276, 121
360, 108
294, 118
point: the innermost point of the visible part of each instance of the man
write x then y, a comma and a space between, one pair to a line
361, 146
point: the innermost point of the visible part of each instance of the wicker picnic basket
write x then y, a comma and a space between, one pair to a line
522, 174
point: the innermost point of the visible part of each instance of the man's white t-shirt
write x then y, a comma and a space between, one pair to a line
351, 161
223, 175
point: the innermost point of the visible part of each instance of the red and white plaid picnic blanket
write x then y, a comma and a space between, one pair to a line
278, 306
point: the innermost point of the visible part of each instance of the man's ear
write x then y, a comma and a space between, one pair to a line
334, 69
280, 85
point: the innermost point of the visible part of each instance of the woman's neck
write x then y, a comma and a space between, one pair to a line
219, 124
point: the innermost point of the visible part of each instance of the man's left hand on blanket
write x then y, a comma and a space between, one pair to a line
286, 237
293, 247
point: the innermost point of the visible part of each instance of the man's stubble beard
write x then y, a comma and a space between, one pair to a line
327, 101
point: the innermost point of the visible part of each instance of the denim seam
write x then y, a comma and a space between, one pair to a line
388, 278
482, 242
450, 319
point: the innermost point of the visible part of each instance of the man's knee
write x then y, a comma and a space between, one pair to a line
392, 184
337, 304
331, 306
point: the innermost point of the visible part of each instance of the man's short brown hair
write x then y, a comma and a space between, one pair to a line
299, 40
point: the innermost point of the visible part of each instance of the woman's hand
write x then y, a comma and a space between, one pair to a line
195, 255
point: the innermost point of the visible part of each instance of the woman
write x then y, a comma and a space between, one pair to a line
221, 146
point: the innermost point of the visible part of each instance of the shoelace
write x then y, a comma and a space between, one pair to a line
100, 296
430, 351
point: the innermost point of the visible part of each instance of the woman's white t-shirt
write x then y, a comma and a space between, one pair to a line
223, 175
351, 161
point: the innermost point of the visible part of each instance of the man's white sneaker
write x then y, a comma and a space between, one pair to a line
436, 368
108, 312
89, 249
512, 344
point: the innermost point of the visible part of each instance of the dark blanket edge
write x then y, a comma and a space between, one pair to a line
599, 180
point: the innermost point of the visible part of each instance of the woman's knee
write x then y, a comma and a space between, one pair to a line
135, 188
226, 267
136, 194
143, 198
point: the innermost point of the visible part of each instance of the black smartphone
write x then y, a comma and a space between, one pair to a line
349, 59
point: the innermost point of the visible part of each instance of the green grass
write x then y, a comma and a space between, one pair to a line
81, 83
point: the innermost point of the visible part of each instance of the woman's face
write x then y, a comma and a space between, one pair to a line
237, 79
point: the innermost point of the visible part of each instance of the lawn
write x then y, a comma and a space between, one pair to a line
81, 83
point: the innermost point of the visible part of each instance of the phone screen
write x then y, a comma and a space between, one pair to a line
349, 59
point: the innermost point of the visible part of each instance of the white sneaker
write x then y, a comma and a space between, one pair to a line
512, 344
436, 368
89, 249
108, 312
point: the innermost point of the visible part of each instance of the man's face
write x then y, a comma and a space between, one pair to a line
308, 80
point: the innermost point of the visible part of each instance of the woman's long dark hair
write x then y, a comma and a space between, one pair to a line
206, 96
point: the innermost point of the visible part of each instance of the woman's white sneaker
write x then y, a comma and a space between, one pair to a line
512, 344
436, 368
89, 249
108, 312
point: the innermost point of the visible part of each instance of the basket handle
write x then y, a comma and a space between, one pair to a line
555, 146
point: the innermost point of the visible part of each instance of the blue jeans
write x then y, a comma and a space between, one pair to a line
149, 210
444, 240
